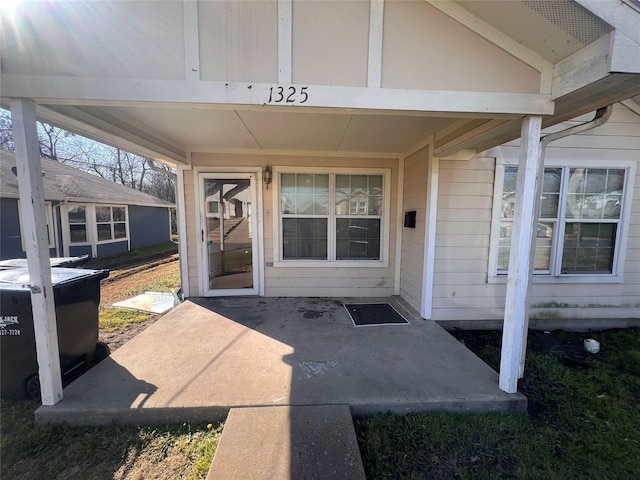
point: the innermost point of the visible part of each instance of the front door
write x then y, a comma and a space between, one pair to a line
229, 234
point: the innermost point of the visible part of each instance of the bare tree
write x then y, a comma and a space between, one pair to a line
6, 131
105, 161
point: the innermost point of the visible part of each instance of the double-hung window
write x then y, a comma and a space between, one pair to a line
332, 217
580, 228
78, 232
111, 223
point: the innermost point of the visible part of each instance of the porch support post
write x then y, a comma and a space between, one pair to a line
516, 312
34, 231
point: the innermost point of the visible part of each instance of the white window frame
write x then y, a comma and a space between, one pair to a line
555, 276
48, 209
95, 224
66, 225
278, 260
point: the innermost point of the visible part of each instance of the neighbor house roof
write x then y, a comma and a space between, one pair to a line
65, 183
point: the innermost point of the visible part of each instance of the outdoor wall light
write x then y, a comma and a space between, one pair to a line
267, 175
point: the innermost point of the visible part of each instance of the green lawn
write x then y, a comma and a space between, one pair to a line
32, 451
583, 422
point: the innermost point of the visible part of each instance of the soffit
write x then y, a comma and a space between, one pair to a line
204, 129
555, 29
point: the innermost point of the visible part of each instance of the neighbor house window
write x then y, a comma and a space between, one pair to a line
579, 227
332, 216
77, 223
111, 223
50, 229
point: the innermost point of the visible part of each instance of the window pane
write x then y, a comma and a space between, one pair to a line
120, 230
77, 214
103, 214
509, 191
104, 231
119, 214
78, 233
306, 194
550, 192
358, 195
304, 238
357, 238
544, 240
504, 246
588, 188
588, 247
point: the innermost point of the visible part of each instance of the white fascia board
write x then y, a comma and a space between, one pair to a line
625, 55
621, 15
612, 53
490, 33
103, 91
586, 66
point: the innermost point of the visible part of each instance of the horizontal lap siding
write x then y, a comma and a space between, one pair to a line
461, 291
415, 198
465, 196
300, 281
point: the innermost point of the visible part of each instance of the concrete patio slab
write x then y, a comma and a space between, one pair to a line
209, 355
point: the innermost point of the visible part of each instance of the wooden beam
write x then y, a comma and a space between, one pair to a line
467, 139
285, 41
490, 33
520, 275
113, 129
376, 24
34, 232
101, 91
181, 218
586, 66
191, 40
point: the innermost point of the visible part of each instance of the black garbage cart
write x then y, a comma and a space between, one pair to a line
71, 262
77, 299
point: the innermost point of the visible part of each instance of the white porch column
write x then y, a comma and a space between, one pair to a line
516, 312
34, 231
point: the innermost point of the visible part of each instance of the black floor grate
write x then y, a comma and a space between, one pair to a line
366, 314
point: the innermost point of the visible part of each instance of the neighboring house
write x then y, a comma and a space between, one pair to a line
86, 214
307, 134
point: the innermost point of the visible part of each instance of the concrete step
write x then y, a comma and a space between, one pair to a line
288, 443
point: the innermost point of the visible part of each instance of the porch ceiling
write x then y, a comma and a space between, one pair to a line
253, 129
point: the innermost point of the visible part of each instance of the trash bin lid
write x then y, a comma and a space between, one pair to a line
17, 278
53, 261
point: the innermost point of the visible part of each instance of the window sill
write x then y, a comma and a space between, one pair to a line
566, 279
103, 242
327, 264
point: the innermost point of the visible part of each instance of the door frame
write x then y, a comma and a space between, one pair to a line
255, 176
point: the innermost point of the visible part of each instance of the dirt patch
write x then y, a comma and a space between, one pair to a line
116, 339
149, 278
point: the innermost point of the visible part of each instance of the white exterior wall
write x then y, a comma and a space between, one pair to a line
237, 41
414, 198
299, 281
461, 290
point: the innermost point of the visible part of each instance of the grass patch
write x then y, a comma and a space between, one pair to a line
583, 422
133, 256
167, 283
112, 319
54, 451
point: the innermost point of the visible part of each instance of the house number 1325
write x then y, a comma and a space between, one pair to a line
289, 94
